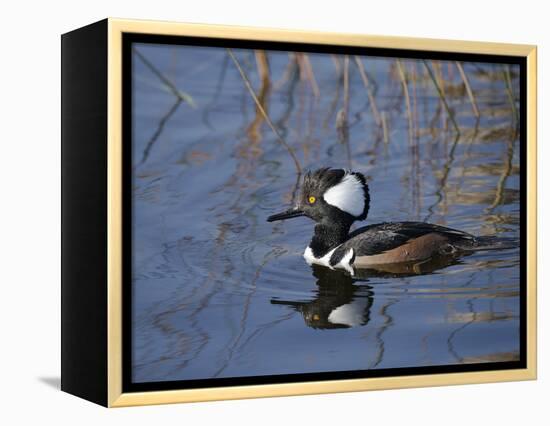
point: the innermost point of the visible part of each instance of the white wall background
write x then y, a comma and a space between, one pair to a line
30, 199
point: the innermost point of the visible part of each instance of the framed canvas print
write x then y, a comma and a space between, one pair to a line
250, 212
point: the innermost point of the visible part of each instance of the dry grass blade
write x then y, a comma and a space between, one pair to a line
366, 83
346, 85
339, 84
263, 112
175, 91
262, 65
442, 187
385, 129
307, 72
342, 124
510, 92
407, 98
441, 96
468, 88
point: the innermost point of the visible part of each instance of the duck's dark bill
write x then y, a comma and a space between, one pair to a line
285, 215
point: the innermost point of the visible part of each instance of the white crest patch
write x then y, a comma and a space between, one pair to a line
348, 195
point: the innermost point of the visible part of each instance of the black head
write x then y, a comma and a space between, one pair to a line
330, 195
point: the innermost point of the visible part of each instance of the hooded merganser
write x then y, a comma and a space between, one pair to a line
335, 198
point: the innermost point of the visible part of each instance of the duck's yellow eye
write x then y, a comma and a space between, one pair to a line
311, 199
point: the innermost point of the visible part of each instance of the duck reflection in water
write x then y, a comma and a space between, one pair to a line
344, 301
339, 302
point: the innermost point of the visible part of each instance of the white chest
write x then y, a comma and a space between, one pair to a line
325, 260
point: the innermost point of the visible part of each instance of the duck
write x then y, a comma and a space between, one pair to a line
336, 198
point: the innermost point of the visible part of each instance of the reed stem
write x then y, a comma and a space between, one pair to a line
263, 112
468, 88
171, 86
407, 98
385, 129
366, 83
441, 96
307, 70
510, 92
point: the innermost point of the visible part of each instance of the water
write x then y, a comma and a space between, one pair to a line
219, 292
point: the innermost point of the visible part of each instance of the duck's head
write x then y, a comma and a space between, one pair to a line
330, 196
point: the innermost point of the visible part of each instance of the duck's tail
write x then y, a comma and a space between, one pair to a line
492, 242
